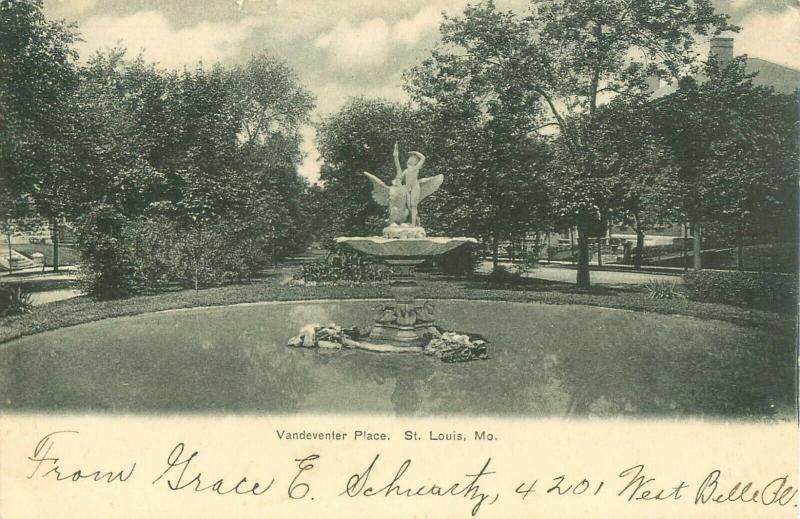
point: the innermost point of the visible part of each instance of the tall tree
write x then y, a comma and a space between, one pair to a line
37, 78
644, 188
733, 143
482, 123
571, 55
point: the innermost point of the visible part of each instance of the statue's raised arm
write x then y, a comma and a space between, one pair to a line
398, 168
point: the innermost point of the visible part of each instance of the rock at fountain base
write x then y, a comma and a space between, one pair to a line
403, 231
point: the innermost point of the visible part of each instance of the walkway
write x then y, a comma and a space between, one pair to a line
568, 274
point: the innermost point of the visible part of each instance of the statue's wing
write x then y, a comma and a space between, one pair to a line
427, 186
380, 191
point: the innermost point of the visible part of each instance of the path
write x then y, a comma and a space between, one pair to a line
567, 274
48, 296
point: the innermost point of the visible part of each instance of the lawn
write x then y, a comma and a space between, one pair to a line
83, 309
66, 255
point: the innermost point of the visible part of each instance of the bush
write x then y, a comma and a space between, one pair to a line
459, 262
342, 266
762, 290
122, 257
107, 267
14, 300
663, 289
155, 246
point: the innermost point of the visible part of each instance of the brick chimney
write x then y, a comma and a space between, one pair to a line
722, 48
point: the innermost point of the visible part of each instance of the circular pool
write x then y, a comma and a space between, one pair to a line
545, 360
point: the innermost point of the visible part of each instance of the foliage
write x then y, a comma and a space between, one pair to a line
107, 267
763, 290
734, 150
200, 168
14, 300
663, 289
460, 262
154, 253
564, 57
638, 166
482, 122
342, 266
37, 77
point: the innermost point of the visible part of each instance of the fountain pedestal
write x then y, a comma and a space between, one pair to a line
402, 326
405, 322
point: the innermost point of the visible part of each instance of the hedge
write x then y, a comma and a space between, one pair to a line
762, 290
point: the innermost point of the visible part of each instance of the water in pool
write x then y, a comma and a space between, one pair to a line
545, 360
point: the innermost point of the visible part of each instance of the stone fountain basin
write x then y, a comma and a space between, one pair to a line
404, 248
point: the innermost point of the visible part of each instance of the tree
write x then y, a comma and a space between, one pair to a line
481, 123
644, 188
37, 78
571, 55
733, 144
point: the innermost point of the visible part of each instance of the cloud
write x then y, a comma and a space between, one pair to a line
370, 42
332, 95
75, 6
411, 31
772, 36
362, 45
151, 32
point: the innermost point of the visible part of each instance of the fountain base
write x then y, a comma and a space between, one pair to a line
396, 333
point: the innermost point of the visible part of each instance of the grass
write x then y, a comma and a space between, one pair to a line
79, 310
66, 255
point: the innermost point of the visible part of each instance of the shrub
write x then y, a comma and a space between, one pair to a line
342, 265
663, 289
155, 245
14, 300
122, 257
459, 262
107, 268
763, 290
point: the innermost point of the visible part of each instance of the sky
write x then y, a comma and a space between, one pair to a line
340, 48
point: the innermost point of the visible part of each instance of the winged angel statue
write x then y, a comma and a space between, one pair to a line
406, 191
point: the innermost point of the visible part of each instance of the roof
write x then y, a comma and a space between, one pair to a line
783, 79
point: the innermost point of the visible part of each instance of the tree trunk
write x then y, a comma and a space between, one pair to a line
637, 257
10, 259
739, 248
548, 246
583, 256
495, 256
698, 260
571, 246
685, 260
196, 261
56, 239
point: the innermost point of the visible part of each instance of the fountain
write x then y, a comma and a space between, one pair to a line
406, 325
